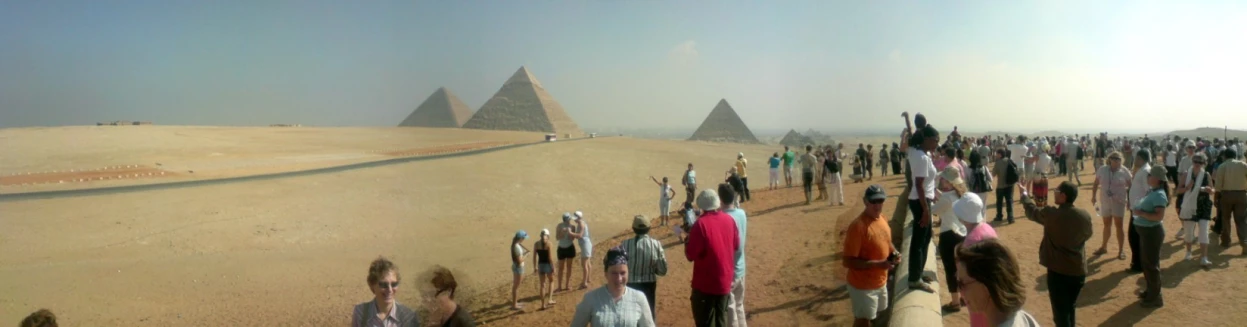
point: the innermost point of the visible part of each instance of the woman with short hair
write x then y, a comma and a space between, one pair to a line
566, 253
988, 275
450, 313
951, 187
384, 309
615, 304
1197, 207
1149, 214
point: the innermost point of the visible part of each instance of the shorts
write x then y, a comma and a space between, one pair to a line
787, 171
566, 252
586, 249
1191, 233
517, 269
1029, 172
545, 268
664, 207
867, 304
1112, 209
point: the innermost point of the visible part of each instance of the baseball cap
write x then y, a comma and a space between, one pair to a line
1159, 172
521, 235
579, 215
875, 192
545, 232
708, 200
640, 222
969, 209
567, 217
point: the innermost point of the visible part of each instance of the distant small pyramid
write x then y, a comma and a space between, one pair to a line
723, 125
795, 139
522, 104
440, 109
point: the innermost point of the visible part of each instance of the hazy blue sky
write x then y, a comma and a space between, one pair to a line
830, 65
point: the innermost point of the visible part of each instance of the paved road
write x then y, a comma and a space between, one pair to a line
172, 185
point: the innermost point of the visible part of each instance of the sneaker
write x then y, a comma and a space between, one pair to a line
1188, 256
1205, 262
1179, 234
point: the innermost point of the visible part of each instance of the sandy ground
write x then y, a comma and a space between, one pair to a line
229, 254
99, 156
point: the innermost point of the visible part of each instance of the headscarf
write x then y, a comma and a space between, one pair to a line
616, 256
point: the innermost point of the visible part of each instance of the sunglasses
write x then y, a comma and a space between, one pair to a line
876, 201
385, 285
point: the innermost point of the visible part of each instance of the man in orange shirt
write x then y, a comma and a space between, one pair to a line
869, 255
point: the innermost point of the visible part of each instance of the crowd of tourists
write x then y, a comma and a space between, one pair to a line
1205, 180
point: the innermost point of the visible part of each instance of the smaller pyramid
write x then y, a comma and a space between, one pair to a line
724, 125
795, 139
440, 109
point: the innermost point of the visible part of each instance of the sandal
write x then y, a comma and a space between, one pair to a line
1101, 251
1121, 256
950, 308
928, 279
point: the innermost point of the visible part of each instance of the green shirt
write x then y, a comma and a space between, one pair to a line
1149, 203
788, 156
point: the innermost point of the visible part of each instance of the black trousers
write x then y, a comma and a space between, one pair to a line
1133, 239
709, 310
1063, 293
691, 192
807, 180
1150, 241
744, 182
1061, 164
896, 167
650, 290
919, 243
948, 254
1004, 197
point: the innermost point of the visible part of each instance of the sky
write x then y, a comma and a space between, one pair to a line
828, 65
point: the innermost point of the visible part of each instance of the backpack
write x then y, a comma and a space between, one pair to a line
1080, 153
1011, 173
980, 180
832, 166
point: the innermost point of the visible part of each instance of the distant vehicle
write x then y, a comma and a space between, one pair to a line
551, 137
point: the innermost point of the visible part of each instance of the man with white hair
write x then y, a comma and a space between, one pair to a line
1073, 158
712, 245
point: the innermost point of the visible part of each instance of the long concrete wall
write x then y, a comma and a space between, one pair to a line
911, 307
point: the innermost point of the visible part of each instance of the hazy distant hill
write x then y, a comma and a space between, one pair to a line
1208, 132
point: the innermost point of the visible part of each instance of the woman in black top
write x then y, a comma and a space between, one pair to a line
449, 313
545, 268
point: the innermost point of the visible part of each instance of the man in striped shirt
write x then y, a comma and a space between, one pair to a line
647, 261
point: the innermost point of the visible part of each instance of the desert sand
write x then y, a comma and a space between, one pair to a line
295, 251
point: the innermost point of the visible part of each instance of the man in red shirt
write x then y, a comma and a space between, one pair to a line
868, 255
711, 246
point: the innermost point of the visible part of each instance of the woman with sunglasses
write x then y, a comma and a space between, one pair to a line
1197, 207
988, 275
443, 302
545, 269
384, 309
1112, 184
614, 305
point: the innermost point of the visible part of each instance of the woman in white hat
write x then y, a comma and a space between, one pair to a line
581, 234
545, 268
969, 209
952, 232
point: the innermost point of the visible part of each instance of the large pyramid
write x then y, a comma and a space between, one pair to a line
441, 109
723, 125
523, 105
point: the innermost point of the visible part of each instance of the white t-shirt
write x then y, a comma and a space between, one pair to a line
1044, 162
920, 165
518, 251
1171, 158
1138, 186
665, 192
1184, 167
1017, 153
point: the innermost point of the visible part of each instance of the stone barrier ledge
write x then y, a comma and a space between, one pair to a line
911, 307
